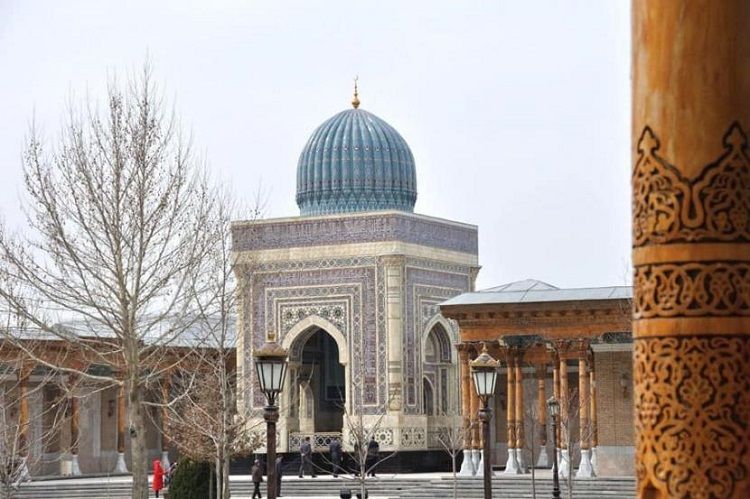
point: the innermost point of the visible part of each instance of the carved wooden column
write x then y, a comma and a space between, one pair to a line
691, 247
585, 470
23, 414
75, 468
541, 410
594, 427
556, 393
475, 425
511, 465
165, 385
520, 416
120, 466
564, 418
467, 465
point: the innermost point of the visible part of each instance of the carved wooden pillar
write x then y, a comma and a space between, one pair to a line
467, 465
541, 403
520, 416
165, 385
120, 466
463, 356
74, 433
556, 393
511, 410
592, 397
564, 467
474, 412
23, 412
583, 395
585, 469
691, 247
564, 403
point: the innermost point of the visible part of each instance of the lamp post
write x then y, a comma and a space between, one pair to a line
270, 366
553, 407
484, 371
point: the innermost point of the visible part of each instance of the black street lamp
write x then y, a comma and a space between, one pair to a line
553, 407
270, 366
484, 371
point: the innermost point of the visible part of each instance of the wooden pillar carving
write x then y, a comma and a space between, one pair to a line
23, 411
165, 412
556, 393
541, 402
121, 419
564, 403
518, 378
583, 402
74, 433
691, 247
463, 356
511, 406
592, 397
474, 412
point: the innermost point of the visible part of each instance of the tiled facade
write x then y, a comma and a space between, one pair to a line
372, 281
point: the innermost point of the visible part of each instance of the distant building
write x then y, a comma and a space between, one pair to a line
351, 288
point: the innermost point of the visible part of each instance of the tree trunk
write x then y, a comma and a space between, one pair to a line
225, 477
138, 448
219, 477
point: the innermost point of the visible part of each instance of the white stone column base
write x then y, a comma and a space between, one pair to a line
121, 467
467, 466
165, 460
543, 461
585, 470
75, 469
564, 463
594, 461
521, 461
475, 458
511, 466
480, 464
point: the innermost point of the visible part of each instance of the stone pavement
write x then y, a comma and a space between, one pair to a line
401, 486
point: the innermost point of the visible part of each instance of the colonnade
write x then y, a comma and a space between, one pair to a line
74, 411
539, 357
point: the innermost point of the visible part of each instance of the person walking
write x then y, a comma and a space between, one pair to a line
257, 474
373, 451
157, 483
335, 449
305, 453
279, 471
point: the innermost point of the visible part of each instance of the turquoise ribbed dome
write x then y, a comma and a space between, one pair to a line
353, 162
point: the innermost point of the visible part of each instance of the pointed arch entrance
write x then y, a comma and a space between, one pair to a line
317, 385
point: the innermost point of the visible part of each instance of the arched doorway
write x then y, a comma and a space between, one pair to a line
322, 384
317, 383
438, 371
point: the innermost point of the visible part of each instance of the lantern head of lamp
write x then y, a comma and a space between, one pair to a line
484, 371
270, 366
553, 406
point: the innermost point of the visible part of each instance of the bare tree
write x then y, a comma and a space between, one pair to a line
116, 242
451, 439
362, 429
201, 404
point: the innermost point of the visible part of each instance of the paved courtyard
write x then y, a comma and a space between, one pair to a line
400, 486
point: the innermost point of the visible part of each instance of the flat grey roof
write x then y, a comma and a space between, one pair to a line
533, 291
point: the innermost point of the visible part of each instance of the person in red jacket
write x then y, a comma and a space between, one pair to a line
158, 482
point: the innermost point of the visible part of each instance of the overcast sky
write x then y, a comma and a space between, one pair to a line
517, 112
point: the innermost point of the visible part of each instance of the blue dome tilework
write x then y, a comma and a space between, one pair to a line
353, 162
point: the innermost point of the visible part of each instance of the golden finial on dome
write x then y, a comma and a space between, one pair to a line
355, 100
